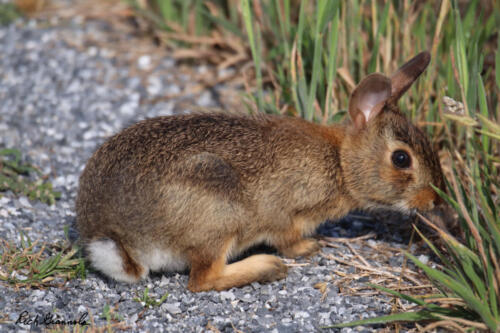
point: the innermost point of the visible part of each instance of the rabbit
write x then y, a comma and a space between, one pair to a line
193, 191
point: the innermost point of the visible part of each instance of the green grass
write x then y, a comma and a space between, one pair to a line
8, 13
110, 315
148, 301
34, 265
15, 176
307, 57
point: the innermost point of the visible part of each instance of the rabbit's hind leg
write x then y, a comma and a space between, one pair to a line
208, 275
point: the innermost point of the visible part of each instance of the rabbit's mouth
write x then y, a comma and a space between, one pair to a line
399, 206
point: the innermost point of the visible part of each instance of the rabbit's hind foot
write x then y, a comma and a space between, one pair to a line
220, 276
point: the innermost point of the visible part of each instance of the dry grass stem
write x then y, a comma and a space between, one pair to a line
353, 250
464, 322
446, 324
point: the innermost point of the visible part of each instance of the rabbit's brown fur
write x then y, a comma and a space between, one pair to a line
195, 190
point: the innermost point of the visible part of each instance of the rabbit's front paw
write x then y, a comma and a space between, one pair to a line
303, 248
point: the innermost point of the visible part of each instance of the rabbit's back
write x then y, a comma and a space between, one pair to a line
151, 145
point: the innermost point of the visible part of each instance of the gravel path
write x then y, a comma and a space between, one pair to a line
59, 99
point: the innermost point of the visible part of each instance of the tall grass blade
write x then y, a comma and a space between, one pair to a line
380, 31
332, 60
483, 110
405, 316
461, 290
497, 62
247, 17
318, 45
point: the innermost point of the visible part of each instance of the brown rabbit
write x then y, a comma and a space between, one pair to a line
194, 190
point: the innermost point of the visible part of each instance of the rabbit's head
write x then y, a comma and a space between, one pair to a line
386, 160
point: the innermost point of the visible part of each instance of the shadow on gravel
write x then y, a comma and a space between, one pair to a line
388, 226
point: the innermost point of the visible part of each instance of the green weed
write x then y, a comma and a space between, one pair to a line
14, 176
8, 13
34, 265
148, 302
110, 315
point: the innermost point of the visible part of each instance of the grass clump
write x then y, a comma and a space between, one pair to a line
148, 301
8, 13
110, 315
307, 56
34, 265
14, 176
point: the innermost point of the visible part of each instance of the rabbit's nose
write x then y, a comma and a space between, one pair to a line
425, 199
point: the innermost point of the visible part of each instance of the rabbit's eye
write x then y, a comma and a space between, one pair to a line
401, 159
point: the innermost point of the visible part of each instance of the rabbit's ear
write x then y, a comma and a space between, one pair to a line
403, 78
369, 98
